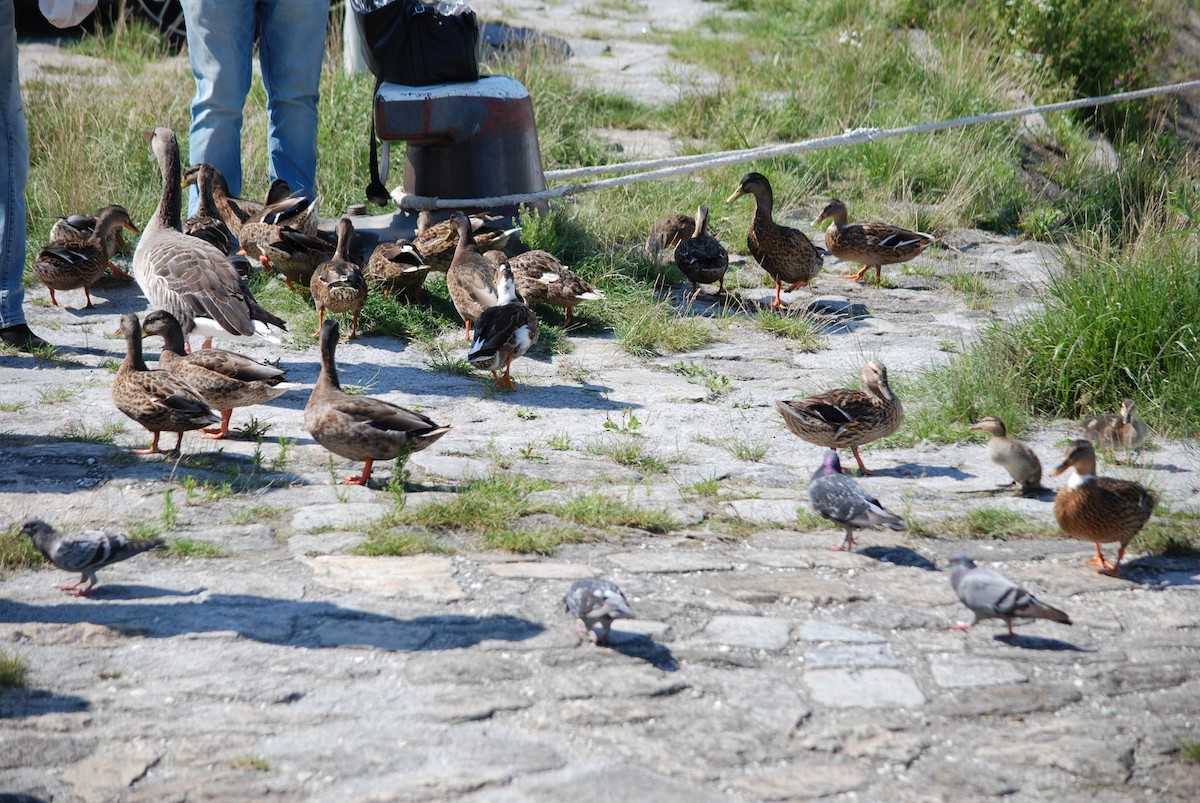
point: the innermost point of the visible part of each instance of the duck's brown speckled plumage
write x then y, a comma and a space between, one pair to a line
158, 400
397, 267
1102, 510
542, 279
80, 228
668, 232
73, 264
701, 257
783, 252
207, 223
1014, 456
1122, 431
235, 211
188, 277
505, 331
847, 418
871, 244
471, 277
438, 242
360, 427
225, 379
339, 285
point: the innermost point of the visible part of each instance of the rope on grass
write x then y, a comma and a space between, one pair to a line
654, 169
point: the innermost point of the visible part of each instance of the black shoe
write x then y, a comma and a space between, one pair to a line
22, 338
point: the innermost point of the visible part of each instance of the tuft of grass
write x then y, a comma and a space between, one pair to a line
486, 505
600, 510
630, 452
13, 407
189, 548
995, 523
1189, 751
1175, 533
709, 487
559, 442
538, 541
256, 763
808, 520
17, 551
141, 530
800, 329
56, 395
393, 542
104, 435
14, 671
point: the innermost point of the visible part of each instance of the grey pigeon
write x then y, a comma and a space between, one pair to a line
838, 498
594, 600
85, 551
991, 595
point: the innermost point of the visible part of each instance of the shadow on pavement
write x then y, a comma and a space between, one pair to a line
900, 556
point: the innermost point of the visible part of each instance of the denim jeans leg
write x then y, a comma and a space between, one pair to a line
14, 173
291, 47
220, 37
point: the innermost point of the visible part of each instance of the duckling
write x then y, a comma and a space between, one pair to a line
870, 244
71, 265
701, 258
470, 277
844, 417
397, 267
225, 379
360, 427
1123, 431
505, 331
783, 252
1103, 510
338, 285
1013, 455
542, 279
667, 233
158, 400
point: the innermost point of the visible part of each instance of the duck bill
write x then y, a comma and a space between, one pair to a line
1061, 468
821, 220
738, 193
132, 228
975, 428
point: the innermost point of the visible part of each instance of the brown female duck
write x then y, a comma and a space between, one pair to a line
846, 418
783, 252
397, 267
236, 211
207, 223
360, 427
74, 264
505, 331
542, 279
225, 379
158, 400
437, 242
701, 257
1012, 455
471, 277
668, 232
80, 228
1103, 510
338, 285
1123, 431
870, 244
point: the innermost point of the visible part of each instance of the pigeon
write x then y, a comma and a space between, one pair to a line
991, 595
838, 498
85, 551
594, 600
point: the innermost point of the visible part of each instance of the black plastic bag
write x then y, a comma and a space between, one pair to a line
408, 42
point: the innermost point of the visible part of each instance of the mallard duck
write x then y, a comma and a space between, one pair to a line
839, 499
360, 427
438, 242
471, 276
783, 252
233, 210
397, 267
870, 244
79, 228
338, 285
158, 400
667, 233
701, 258
1013, 455
188, 277
207, 223
505, 331
1123, 431
542, 279
75, 264
293, 254
1100, 509
225, 379
847, 418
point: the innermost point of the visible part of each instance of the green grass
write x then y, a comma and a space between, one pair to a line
256, 763
709, 487
190, 548
14, 671
994, 523
801, 330
393, 542
600, 510
17, 551
629, 451
1189, 751
1170, 532
482, 506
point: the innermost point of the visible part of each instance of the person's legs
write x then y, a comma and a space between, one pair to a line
14, 173
291, 46
220, 37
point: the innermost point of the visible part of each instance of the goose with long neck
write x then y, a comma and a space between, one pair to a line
158, 400
360, 427
187, 276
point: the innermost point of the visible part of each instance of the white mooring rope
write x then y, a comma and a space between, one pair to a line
664, 168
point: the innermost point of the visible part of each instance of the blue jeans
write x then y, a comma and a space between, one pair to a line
14, 172
291, 45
